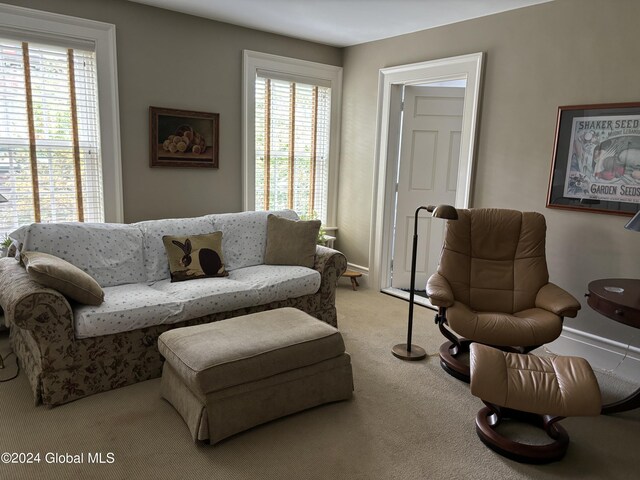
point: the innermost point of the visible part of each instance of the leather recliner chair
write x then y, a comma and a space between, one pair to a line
492, 286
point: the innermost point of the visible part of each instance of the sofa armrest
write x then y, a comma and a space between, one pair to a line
45, 312
554, 299
439, 291
327, 258
331, 264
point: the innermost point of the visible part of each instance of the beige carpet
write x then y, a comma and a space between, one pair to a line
406, 421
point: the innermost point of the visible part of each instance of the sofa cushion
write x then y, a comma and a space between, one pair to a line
209, 295
244, 236
111, 253
273, 283
126, 308
291, 242
60, 275
195, 256
130, 307
156, 263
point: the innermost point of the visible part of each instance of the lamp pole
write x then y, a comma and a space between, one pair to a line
408, 351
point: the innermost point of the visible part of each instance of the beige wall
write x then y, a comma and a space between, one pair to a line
560, 53
172, 60
565, 52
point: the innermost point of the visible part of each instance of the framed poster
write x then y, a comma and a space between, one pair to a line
182, 138
596, 159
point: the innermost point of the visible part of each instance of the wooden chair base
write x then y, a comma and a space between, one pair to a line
450, 363
489, 417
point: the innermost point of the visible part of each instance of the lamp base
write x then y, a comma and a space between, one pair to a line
416, 353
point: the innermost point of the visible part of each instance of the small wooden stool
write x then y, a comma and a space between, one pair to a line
354, 278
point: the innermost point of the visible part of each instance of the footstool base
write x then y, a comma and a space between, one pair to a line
487, 419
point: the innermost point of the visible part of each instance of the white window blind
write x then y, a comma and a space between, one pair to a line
292, 126
50, 164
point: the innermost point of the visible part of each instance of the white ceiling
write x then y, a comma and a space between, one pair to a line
340, 22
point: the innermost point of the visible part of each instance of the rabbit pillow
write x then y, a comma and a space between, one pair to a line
195, 256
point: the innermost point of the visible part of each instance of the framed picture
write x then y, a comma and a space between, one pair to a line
181, 138
596, 159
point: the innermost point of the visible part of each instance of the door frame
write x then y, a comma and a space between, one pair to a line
467, 67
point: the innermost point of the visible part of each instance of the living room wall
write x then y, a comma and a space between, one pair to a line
172, 60
566, 52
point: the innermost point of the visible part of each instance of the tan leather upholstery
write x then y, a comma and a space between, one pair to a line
493, 279
558, 386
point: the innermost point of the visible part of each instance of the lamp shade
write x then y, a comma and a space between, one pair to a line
634, 223
443, 211
3, 199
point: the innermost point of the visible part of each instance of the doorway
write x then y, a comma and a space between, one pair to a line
429, 151
426, 138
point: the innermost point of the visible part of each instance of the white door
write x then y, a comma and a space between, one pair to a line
427, 175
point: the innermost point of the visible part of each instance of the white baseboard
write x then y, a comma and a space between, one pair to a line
602, 353
358, 268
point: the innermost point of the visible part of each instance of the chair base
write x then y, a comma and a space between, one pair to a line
487, 419
450, 362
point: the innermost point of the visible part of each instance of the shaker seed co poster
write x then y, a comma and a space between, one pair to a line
604, 159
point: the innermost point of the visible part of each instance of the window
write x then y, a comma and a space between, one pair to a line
49, 138
292, 146
291, 125
55, 126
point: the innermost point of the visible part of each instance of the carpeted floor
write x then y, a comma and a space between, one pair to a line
406, 421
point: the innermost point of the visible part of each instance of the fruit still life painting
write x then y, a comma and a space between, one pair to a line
181, 138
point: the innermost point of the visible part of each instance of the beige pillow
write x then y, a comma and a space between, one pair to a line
195, 256
56, 273
291, 242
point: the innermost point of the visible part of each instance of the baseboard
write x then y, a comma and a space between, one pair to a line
602, 353
358, 268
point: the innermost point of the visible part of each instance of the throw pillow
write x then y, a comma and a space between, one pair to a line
291, 242
195, 256
56, 273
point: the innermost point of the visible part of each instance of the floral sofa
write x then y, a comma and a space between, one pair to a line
69, 351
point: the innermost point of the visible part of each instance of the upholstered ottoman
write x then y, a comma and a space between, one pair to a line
225, 377
537, 390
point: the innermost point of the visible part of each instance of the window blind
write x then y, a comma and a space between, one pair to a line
292, 122
50, 166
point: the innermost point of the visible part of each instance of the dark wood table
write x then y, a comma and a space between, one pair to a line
619, 300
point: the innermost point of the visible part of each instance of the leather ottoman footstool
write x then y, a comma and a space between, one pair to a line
227, 376
537, 390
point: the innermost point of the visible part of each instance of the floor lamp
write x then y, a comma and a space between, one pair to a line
408, 351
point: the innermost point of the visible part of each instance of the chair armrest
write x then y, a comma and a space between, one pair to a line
554, 299
439, 291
